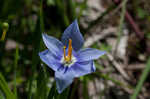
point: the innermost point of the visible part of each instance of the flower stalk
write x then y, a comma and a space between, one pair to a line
5, 29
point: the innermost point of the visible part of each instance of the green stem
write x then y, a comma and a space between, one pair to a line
141, 81
4, 88
35, 58
122, 19
120, 28
72, 9
15, 68
62, 11
41, 16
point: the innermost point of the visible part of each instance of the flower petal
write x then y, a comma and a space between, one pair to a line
89, 54
73, 32
83, 68
54, 45
63, 80
51, 60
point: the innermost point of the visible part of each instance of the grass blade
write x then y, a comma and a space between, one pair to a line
142, 79
16, 56
52, 91
85, 89
5, 89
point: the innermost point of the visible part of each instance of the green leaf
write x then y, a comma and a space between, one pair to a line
64, 94
85, 89
142, 13
5, 89
42, 88
52, 91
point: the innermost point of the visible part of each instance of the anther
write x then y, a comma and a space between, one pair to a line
70, 49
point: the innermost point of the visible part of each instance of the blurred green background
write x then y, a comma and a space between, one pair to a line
105, 25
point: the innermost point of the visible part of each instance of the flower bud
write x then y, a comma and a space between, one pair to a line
5, 26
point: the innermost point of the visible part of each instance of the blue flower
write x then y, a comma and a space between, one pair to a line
67, 58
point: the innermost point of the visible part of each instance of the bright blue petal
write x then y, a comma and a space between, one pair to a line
89, 54
50, 59
73, 32
54, 45
83, 68
63, 80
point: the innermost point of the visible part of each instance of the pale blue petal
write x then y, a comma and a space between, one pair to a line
93, 67
73, 32
89, 54
63, 80
54, 45
50, 59
83, 68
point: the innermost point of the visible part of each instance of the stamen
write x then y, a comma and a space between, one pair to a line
70, 50
5, 29
69, 56
65, 52
3, 35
